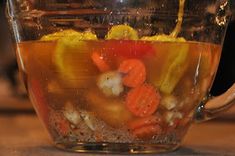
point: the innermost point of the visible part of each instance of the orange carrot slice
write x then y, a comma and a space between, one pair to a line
63, 127
99, 62
146, 127
39, 100
147, 131
135, 72
60, 124
143, 100
140, 122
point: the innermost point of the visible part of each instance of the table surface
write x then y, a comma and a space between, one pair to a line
23, 135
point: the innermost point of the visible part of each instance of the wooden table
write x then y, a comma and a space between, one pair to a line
23, 135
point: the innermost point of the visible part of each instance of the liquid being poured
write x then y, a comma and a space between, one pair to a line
173, 35
179, 20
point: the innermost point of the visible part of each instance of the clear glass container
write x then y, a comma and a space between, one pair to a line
120, 76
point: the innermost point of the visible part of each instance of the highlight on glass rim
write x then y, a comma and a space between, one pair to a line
119, 76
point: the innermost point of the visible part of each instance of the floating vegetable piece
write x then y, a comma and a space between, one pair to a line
175, 67
147, 132
134, 72
54, 87
62, 127
174, 119
87, 119
71, 114
175, 64
129, 49
89, 35
110, 83
140, 122
169, 102
110, 110
143, 100
100, 62
171, 116
60, 124
71, 58
38, 97
123, 32
59, 35
146, 127
163, 38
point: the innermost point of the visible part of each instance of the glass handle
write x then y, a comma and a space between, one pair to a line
211, 107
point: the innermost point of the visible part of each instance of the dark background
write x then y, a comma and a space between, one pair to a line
226, 72
225, 75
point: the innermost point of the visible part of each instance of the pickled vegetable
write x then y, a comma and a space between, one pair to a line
111, 110
123, 32
70, 59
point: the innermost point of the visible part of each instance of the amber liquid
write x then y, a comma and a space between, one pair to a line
56, 79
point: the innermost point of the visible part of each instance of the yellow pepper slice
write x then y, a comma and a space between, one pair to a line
58, 35
125, 32
175, 64
71, 56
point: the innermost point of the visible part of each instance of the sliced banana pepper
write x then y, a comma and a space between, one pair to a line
122, 32
174, 68
176, 62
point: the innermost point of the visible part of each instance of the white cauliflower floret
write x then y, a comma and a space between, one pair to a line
75, 117
110, 83
87, 119
171, 116
71, 114
169, 102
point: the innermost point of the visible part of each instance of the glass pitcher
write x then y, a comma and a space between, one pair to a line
120, 76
